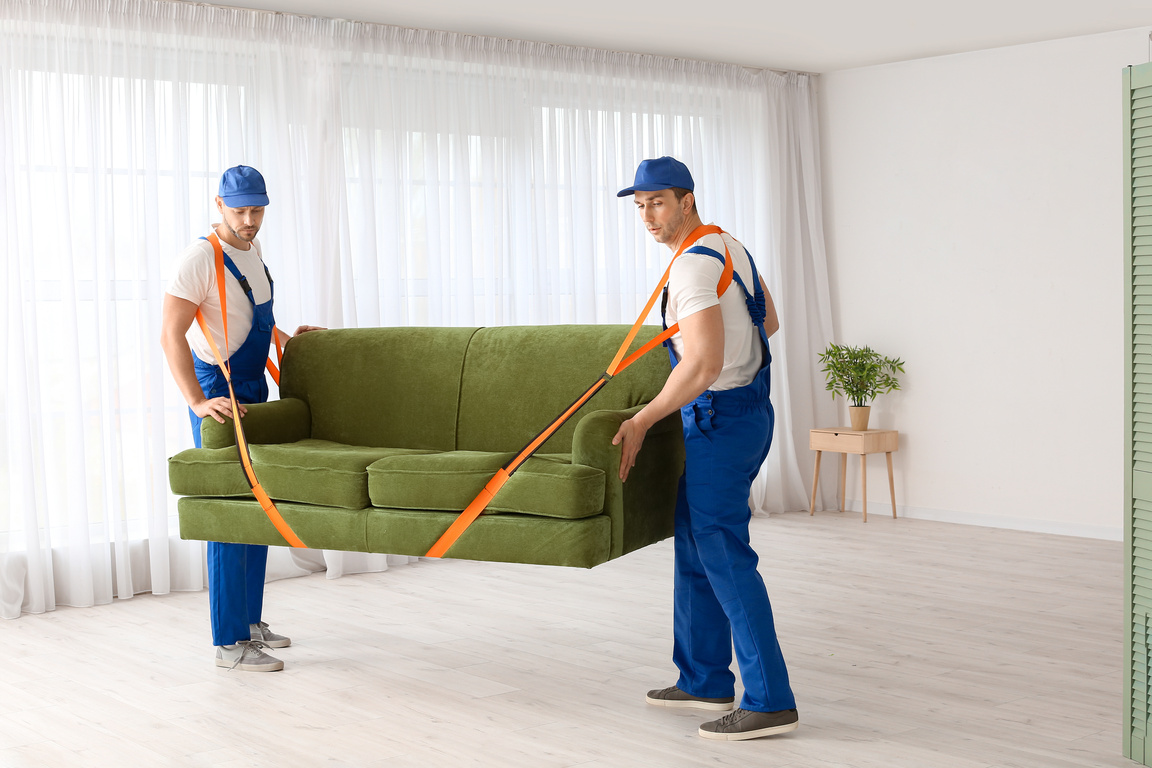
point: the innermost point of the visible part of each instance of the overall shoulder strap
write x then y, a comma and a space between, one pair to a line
235, 270
725, 259
754, 299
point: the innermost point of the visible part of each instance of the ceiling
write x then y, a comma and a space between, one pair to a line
803, 36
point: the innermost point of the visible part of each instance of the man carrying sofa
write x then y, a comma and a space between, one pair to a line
235, 571
720, 382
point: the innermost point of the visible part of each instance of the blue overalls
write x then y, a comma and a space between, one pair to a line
236, 571
720, 600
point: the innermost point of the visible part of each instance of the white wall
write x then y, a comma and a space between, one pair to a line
973, 210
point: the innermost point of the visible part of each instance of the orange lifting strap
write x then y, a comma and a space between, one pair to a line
619, 363
241, 442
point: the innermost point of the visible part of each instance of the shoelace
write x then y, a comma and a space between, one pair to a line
731, 718
263, 629
248, 645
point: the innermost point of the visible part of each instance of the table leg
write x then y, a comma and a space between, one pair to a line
891, 484
864, 483
843, 478
815, 484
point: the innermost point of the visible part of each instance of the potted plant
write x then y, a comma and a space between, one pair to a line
859, 374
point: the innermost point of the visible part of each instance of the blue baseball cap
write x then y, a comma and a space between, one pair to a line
241, 187
661, 173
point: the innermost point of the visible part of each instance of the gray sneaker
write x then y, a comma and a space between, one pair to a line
674, 697
745, 724
268, 637
247, 656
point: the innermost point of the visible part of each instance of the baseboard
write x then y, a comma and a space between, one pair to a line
884, 507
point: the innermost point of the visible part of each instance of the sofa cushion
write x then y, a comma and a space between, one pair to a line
307, 471
394, 387
207, 472
518, 379
545, 485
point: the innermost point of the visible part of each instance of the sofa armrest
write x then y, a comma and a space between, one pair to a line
277, 421
643, 509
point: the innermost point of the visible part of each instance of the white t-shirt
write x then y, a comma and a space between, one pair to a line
195, 281
692, 288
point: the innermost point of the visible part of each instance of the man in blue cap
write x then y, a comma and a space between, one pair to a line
235, 571
720, 383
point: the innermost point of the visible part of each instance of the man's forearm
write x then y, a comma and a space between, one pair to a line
702, 334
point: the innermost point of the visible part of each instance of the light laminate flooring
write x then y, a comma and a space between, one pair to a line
910, 644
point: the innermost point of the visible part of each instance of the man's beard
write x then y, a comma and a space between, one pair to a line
239, 236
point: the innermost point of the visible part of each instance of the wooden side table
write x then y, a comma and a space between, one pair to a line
861, 442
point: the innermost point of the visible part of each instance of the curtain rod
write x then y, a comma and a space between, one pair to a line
748, 67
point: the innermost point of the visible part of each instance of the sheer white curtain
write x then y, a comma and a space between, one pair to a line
417, 178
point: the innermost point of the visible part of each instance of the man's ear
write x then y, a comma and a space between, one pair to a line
220, 204
687, 202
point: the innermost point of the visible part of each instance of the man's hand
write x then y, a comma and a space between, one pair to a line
218, 408
630, 438
285, 338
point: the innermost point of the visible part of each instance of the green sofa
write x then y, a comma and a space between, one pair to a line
383, 435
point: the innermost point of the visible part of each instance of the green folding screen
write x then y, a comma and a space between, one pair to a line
1138, 411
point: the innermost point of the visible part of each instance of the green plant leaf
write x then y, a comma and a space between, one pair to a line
858, 374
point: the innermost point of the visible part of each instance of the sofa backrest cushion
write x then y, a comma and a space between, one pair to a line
390, 387
517, 379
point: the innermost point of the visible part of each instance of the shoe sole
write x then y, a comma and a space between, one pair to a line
756, 734
711, 706
251, 667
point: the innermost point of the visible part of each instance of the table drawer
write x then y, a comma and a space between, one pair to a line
849, 441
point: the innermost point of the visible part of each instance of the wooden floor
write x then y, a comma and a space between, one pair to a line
910, 643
